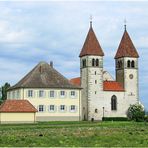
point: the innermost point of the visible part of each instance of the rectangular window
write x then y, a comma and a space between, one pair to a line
41, 93
51, 94
72, 107
51, 108
73, 93
41, 108
62, 93
30, 93
62, 107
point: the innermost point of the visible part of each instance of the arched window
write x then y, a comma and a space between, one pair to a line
84, 62
118, 64
114, 103
97, 62
128, 64
133, 64
93, 62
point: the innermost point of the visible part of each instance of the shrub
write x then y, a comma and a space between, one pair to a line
114, 119
136, 112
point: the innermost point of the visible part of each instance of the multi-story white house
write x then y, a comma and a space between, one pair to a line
92, 95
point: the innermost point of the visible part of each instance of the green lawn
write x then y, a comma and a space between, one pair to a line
82, 134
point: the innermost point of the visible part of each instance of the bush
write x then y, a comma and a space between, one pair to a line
146, 118
136, 112
114, 119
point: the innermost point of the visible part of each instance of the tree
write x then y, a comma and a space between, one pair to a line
136, 112
4, 91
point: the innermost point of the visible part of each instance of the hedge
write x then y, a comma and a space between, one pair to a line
115, 119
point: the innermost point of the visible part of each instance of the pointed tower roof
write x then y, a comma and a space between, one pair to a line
126, 47
91, 45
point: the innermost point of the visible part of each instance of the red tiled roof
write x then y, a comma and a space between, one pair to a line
91, 45
17, 106
107, 85
76, 81
112, 86
126, 47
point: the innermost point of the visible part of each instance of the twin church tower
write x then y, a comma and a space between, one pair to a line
101, 94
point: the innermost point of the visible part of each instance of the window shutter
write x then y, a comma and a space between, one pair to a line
44, 96
55, 108
26, 93
44, 108
76, 108
34, 94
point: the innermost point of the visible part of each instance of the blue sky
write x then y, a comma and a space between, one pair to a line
43, 31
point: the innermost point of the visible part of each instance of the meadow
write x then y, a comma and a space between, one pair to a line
75, 134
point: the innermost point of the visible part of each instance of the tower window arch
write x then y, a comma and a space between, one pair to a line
132, 64
93, 62
84, 62
118, 64
128, 64
97, 62
121, 64
113, 102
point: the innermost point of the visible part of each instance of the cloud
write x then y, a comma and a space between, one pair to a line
43, 31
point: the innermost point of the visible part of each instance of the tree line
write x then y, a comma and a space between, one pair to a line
3, 92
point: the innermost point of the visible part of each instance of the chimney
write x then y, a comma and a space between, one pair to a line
51, 64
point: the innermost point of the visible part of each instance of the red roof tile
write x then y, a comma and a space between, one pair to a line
126, 47
112, 86
107, 85
91, 45
76, 81
17, 106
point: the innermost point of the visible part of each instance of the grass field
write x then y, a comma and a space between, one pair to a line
82, 134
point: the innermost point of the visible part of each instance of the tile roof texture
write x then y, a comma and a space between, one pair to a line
17, 106
91, 45
126, 47
107, 85
76, 81
112, 86
44, 76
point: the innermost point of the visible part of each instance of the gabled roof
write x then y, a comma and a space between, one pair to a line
126, 47
44, 76
91, 45
107, 85
112, 86
17, 106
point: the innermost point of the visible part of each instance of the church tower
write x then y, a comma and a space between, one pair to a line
91, 69
126, 60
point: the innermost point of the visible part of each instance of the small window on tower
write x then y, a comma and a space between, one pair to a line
97, 62
133, 64
128, 64
93, 62
95, 81
84, 62
95, 72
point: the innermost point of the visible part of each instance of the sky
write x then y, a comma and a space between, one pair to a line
34, 31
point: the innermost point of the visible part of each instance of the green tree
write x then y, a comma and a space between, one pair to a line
136, 112
4, 91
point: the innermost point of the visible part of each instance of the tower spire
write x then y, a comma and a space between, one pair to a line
125, 24
91, 21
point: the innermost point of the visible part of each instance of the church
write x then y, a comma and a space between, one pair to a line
93, 95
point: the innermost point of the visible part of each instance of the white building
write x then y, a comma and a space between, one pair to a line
92, 95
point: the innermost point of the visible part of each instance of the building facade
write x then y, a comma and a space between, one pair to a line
93, 95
